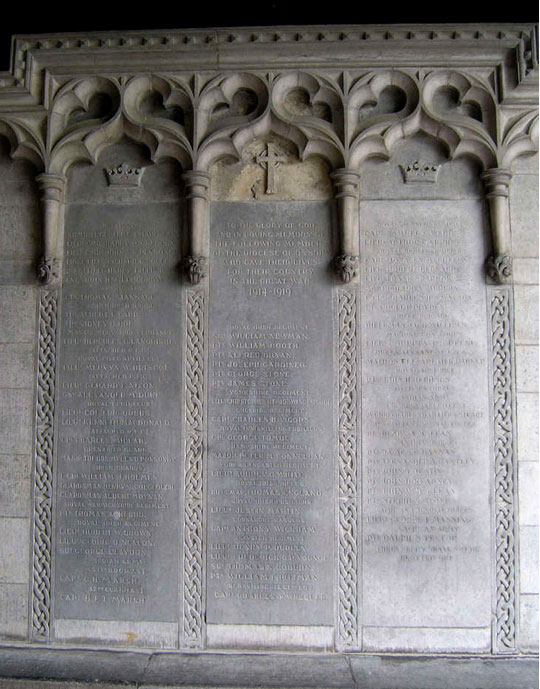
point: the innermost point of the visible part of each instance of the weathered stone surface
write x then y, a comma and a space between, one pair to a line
528, 610
526, 271
15, 421
527, 368
13, 611
270, 410
526, 305
247, 180
269, 637
528, 546
113, 633
119, 438
344, 671
528, 493
454, 180
15, 538
17, 365
425, 418
17, 314
524, 216
365, 495
15, 486
527, 425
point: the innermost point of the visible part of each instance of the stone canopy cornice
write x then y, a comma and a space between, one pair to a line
341, 93
510, 50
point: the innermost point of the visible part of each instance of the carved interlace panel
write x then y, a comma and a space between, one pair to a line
505, 484
193, 477
43, 473
347, 627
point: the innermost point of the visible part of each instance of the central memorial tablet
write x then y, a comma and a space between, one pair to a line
270, 445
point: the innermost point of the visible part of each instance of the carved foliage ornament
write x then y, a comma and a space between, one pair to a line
195, 268
48, 270
346, 267
499, 268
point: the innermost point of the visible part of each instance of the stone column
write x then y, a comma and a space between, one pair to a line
497, 183
346, 190
195, 263
52, 189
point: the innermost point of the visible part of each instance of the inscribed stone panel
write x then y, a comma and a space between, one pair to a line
271, 477
425, 415
119, 413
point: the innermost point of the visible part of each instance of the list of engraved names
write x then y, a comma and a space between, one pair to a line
119, 451
425, 415
270, 521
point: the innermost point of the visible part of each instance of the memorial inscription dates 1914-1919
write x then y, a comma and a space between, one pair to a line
274, 403
278, 412
270, 487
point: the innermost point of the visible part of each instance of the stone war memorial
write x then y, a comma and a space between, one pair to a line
268, 321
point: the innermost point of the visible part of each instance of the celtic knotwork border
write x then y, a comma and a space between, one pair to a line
193, 478
505, 481
43, 471
347, 623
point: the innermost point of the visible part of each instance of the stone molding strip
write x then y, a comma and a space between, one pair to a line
215, 47
347, 622
193, 571
504, 640
343, 670
43, 466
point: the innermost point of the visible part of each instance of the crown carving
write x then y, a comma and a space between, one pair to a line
420, 172
125, 175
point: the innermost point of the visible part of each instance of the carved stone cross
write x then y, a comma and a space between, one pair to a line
270, 159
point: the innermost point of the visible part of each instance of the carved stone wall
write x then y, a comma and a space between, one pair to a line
277, 115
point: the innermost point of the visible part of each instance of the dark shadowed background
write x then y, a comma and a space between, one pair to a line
125, 16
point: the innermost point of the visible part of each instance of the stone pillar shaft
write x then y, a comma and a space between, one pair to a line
195, 263
52, 189
346, 190
497, 183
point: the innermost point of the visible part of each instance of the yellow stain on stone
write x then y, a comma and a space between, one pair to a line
131, 637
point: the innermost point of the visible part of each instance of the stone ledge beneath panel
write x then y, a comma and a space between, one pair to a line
352, 671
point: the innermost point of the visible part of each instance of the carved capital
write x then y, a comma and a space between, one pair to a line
499, 269
497, 182
52, 187
194, 268
197, 184
346, 267
346, 183
347, 190
49, 270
